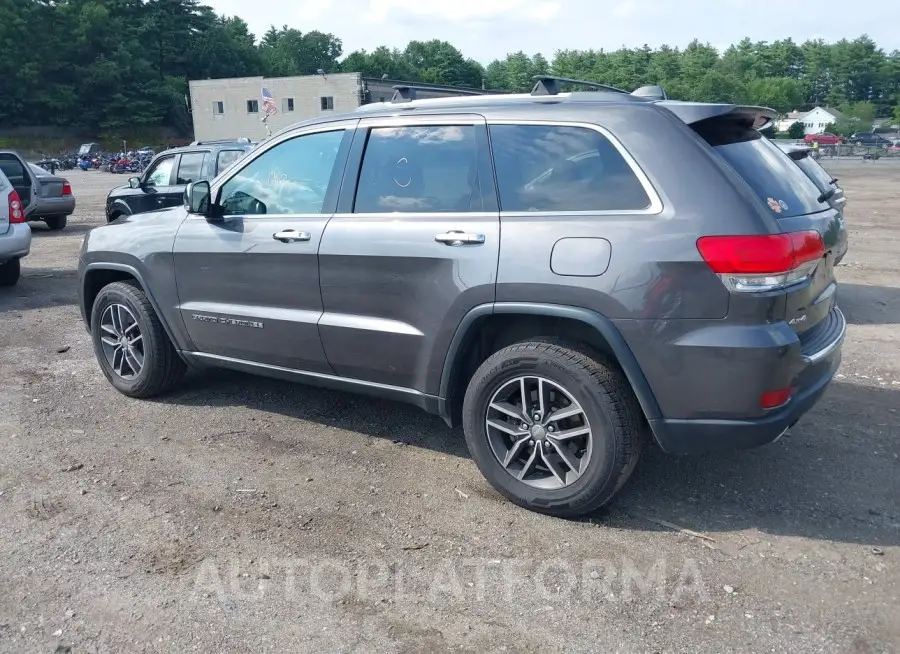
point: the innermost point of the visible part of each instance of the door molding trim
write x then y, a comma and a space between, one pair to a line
324, 380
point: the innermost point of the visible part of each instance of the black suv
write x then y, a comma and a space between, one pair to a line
564, 274
162, 184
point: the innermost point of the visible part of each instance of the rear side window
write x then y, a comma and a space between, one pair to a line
227, 157
422, 169
190, 168
775, 178
558, 168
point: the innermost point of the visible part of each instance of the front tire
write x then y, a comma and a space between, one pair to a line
10, 272
56, 223
132, 348
578, 439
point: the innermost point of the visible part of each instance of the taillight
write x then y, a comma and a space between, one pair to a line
16, 212
775, 399
67, 188
764, 262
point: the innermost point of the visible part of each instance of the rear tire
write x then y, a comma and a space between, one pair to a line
10, 272
56, 223
153, 366
582, 381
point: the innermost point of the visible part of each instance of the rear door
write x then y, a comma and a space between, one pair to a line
412, 251
22, 179
794, 203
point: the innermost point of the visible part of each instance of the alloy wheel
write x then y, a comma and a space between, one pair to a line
539, 432
122, 341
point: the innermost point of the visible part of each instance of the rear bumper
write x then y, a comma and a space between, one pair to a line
62, 206
719, 396
16, 242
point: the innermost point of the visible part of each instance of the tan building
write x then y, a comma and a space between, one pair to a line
232, 108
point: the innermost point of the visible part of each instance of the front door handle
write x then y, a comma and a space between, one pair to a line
291, 235
457, 238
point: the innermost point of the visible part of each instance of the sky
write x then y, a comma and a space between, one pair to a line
489, 29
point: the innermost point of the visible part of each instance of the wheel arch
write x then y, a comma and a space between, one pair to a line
99, 274
489, 327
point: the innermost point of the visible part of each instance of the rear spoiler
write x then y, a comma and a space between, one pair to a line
693, 112
799, 153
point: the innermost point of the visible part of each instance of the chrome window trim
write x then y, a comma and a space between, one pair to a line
253, 155
656, 203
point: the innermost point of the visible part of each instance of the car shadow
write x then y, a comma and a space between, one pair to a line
863, 304
833, 477
40, 288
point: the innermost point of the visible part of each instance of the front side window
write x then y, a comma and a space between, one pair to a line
420, 169
190, 168
290, 178
161, 173
558, 168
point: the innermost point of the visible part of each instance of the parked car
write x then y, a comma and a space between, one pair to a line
685, 295
868, 138
163, 182
825, 138
805, 157
55, 200
17, 202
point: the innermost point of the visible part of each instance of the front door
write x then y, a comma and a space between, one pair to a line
156, 185
248, 283
413, 247
189, 168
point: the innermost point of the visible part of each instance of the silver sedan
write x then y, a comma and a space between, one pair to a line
55, 200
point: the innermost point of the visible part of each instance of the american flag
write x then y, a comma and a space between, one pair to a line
269, 107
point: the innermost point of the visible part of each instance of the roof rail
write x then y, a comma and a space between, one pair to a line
408, 92
240, 139
550, 85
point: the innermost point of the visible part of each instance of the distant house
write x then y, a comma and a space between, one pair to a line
813, 122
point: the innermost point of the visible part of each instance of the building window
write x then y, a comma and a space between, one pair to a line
218, 108
287, 105
252, 106
327, 103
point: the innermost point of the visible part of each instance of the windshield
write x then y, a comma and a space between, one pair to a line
775, 178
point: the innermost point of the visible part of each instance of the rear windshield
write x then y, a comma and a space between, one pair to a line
772, 174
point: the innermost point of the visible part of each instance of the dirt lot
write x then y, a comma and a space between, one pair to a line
241, 514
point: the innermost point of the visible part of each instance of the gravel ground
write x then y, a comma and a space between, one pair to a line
241, 514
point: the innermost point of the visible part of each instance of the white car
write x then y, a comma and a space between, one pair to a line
18, 198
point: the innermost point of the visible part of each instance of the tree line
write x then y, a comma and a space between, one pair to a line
110, 66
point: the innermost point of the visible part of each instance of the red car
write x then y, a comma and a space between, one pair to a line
825, 138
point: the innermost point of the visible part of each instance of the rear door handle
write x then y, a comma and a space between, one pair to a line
291, 235
457, 238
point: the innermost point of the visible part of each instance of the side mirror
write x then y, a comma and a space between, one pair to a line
134, 182
197, 198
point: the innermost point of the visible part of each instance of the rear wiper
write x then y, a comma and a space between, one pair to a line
827, 195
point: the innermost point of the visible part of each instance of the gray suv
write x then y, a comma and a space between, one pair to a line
566, 274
